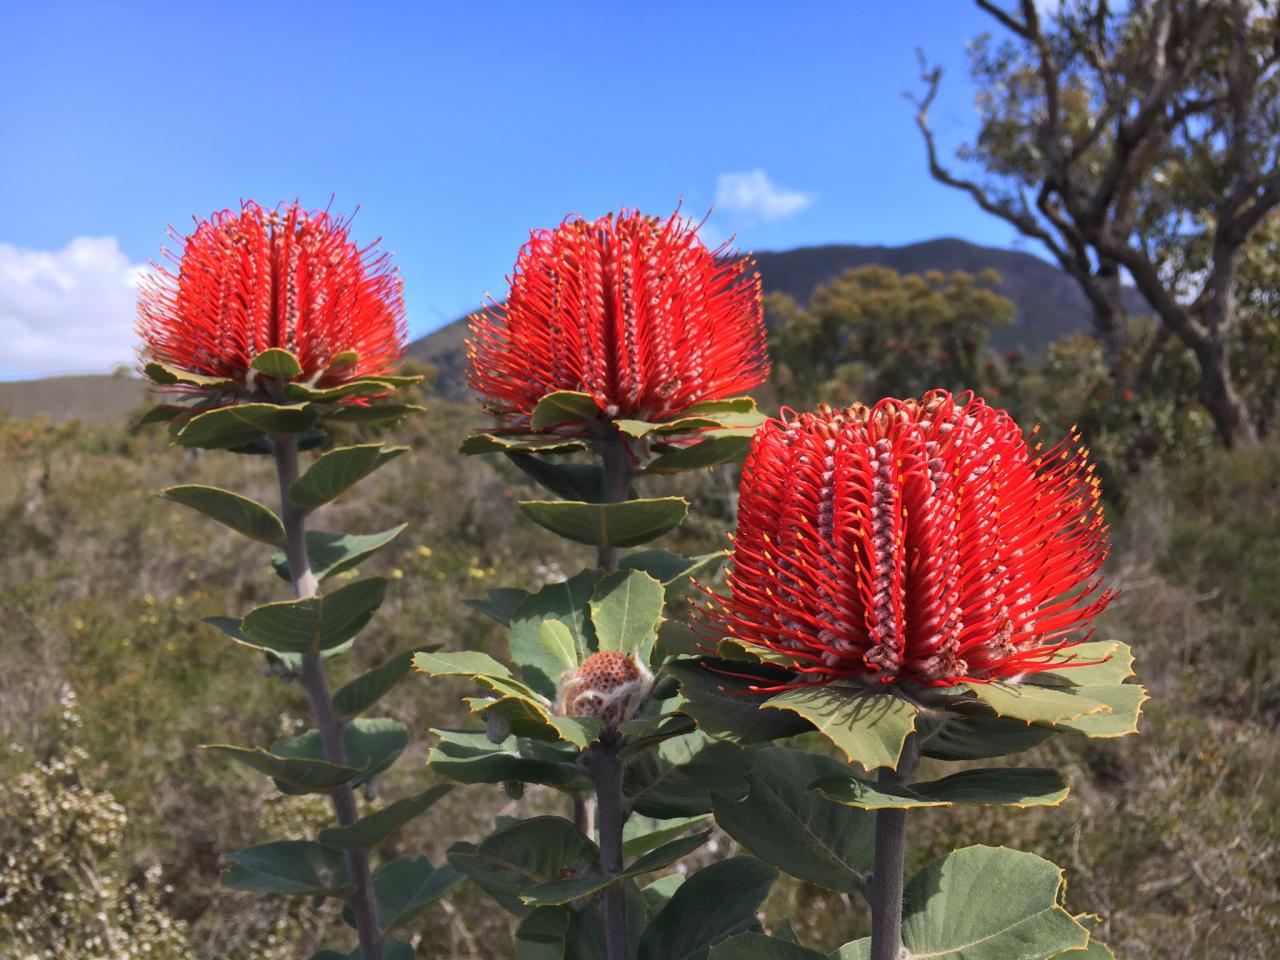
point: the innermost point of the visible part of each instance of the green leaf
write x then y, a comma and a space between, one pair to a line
358, 695
756, 946
364, 387
563, 406
501, 603
521, 443
277, 363
166, 376
373, 828
798, 831
978, 737
672, 570
298, 867
464, 756
719, 408
566, 602
246, 517
676, 778
626, 609
407, 886
338, 471
1124, 702
243, 423
333, 553
580, 731
667, 854
999, 786
1036, 704
558, 641
625, 524
724, 707
711, 452
988, 903
371, 744
572, 481
869, 728
525, 856
316, 623
1095, 663
710, 906
541, 935
301, 775
459, 663
374, 414
642, 834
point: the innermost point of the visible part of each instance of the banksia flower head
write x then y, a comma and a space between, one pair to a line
913, 541
632, 310
608, 684
251, 280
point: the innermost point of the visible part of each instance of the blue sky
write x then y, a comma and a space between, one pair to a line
455, 127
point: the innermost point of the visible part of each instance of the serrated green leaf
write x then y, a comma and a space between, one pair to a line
709, 452
563, 406
373, 828
315, 623
459, 663
869, 728
470, 757
798, 831
166, 376
558, 641
626, 524
978, 737
242, 423
672, 570
294, 867
676, 778
371, 745
277, 363
580, 731
374, 414
626, 609
358, 695
999, 786
710, 906
1036, 704
334, 553
566, 602
337, 471
572, 481
302, 775
479, 443
1095, 663
720, 701
642, 834
1124, 705
247, 517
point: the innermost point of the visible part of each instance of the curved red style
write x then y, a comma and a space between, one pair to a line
913, 541
631, 309
255, 279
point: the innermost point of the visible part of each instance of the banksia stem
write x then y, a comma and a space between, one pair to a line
316, 684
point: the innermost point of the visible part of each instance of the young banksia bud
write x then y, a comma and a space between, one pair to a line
633, 310
255, 279
609, 685
914, 540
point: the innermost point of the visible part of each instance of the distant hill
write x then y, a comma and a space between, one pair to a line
90, 398
1049, 304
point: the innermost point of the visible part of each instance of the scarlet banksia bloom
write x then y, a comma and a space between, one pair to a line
256, 279
913, 541
631, 309
608, 684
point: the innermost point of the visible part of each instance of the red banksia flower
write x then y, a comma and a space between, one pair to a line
254, 279
913, 540
633, 310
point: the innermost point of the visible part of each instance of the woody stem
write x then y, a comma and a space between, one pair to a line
316, 684
890, 860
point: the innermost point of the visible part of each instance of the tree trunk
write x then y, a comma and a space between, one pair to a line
1218, 394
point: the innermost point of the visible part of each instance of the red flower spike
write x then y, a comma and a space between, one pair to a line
633, 310
914, 540
254, 279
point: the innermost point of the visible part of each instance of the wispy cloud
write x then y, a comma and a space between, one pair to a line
67, 311
753, 194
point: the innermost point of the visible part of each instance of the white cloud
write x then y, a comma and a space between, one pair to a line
753, 194
68, 311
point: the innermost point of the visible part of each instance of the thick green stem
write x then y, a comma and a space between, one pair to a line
605, 769
316, 684
890, 862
